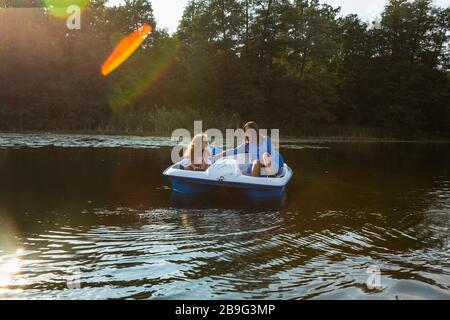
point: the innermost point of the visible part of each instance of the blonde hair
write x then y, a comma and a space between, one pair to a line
197, 140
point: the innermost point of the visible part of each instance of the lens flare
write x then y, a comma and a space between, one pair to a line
125, 49
8, 269
58, 8
126, 90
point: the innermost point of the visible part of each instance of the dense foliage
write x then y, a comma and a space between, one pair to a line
297, 65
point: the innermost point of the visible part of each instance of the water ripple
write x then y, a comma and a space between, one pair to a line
218, 253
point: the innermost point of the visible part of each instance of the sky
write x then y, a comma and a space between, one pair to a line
168, 12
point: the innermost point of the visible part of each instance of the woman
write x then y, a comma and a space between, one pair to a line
264, 160
197, 161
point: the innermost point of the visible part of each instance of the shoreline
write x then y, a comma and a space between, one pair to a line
286, 139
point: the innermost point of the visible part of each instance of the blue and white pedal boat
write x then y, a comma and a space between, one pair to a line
227, 173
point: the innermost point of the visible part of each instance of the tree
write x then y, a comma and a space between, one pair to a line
291, 64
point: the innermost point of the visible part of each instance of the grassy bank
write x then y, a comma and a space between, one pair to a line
161, 121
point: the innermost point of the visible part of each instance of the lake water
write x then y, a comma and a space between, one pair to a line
86, 217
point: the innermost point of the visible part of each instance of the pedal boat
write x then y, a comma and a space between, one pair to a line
226, 173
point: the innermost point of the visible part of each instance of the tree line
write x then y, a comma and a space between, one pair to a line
297, 65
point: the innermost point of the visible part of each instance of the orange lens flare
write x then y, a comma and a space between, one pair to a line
125, 49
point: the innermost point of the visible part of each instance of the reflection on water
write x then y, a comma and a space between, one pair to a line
223, 197
9, 266
107, 217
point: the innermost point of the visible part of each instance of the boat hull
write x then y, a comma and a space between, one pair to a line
225, 174
189, 186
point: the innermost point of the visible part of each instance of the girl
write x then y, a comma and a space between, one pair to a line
197, 160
